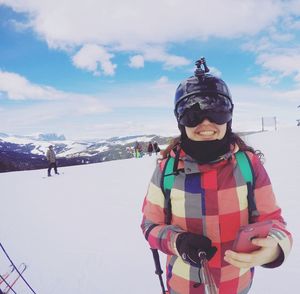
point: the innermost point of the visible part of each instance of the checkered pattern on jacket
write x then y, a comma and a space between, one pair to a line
211, 200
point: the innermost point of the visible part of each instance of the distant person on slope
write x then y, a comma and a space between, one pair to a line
138, 150
199, 197
156, 147
51, 157
150, 148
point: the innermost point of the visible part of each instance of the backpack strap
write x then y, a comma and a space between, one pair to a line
169, 172
246, 169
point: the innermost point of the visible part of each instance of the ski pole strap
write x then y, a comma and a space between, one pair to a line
158, 269
16, 268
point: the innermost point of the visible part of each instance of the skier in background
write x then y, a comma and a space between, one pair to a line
51, 157
150, 148
137, 150
156, 148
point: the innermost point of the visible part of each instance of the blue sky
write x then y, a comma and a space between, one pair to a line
97, 69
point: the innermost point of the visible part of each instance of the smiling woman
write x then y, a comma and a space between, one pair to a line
209, 184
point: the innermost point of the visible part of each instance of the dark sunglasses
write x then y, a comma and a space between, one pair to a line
191, 118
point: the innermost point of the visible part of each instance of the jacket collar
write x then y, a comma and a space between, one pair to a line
190, 166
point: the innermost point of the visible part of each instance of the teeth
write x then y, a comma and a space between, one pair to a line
207, 133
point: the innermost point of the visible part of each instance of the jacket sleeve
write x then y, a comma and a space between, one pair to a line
267, 209
157, 233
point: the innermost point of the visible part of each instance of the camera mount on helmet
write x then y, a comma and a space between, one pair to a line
199, 72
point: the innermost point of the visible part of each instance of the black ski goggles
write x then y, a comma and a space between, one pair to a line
214, 103
193, 109
191, 118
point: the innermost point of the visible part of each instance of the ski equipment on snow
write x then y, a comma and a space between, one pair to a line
21, 270
16, 269
11, 278
5, 276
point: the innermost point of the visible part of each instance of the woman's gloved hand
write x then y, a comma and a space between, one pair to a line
189, 245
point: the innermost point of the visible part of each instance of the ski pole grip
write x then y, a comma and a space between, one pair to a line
158, 269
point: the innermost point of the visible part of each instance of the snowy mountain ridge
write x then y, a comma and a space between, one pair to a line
28, 152
39, 143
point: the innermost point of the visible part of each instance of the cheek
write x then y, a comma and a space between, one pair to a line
189, 132
222, 130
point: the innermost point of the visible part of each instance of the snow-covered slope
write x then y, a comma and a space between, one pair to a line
79, 232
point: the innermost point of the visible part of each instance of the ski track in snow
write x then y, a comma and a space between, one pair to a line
79, 232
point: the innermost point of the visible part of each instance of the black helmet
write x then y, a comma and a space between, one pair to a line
209, 92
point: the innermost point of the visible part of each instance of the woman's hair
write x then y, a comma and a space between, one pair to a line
234, 138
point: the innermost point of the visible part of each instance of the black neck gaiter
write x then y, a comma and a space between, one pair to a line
206, 151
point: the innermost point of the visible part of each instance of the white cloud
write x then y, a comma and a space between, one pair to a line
268, 96
162, 81
277, 59
136, 61
265, 80
122, 21
19, 26
17, 87
257, 46
94, 58
286, 62
158, 54
133, 26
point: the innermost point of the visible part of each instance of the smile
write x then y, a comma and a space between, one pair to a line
206, 133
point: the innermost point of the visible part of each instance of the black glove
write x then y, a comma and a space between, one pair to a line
189, 246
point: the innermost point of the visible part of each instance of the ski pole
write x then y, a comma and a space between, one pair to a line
16, 268
158, 269
206, 276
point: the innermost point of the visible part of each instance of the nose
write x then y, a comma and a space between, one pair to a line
206, 121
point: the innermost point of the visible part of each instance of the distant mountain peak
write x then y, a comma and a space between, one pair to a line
3, 135
51, 137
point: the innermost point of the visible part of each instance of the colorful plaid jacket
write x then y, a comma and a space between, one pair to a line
211, 200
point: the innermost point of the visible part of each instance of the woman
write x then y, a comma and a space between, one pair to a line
208, 199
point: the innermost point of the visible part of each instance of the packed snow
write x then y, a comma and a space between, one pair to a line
79, 232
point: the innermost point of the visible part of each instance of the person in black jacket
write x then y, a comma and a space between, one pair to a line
150, 148
156, 148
